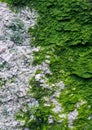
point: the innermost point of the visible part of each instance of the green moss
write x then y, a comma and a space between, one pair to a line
16, 2
68, 37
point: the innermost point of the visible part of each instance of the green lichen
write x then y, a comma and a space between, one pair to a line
17, 28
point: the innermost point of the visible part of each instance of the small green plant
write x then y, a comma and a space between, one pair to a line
17, 2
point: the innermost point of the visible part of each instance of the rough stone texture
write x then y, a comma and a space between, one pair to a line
15, 63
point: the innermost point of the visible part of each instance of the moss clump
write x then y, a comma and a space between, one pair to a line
64, 30
16, 2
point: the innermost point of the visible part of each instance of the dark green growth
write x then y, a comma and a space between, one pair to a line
20, 3
64, 30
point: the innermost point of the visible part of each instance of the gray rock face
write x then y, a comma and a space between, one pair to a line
15, 63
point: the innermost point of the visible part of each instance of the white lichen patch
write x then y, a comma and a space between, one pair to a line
16, 57
57, 105
71, 117
79, 104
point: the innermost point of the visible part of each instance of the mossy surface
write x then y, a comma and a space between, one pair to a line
64, 32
